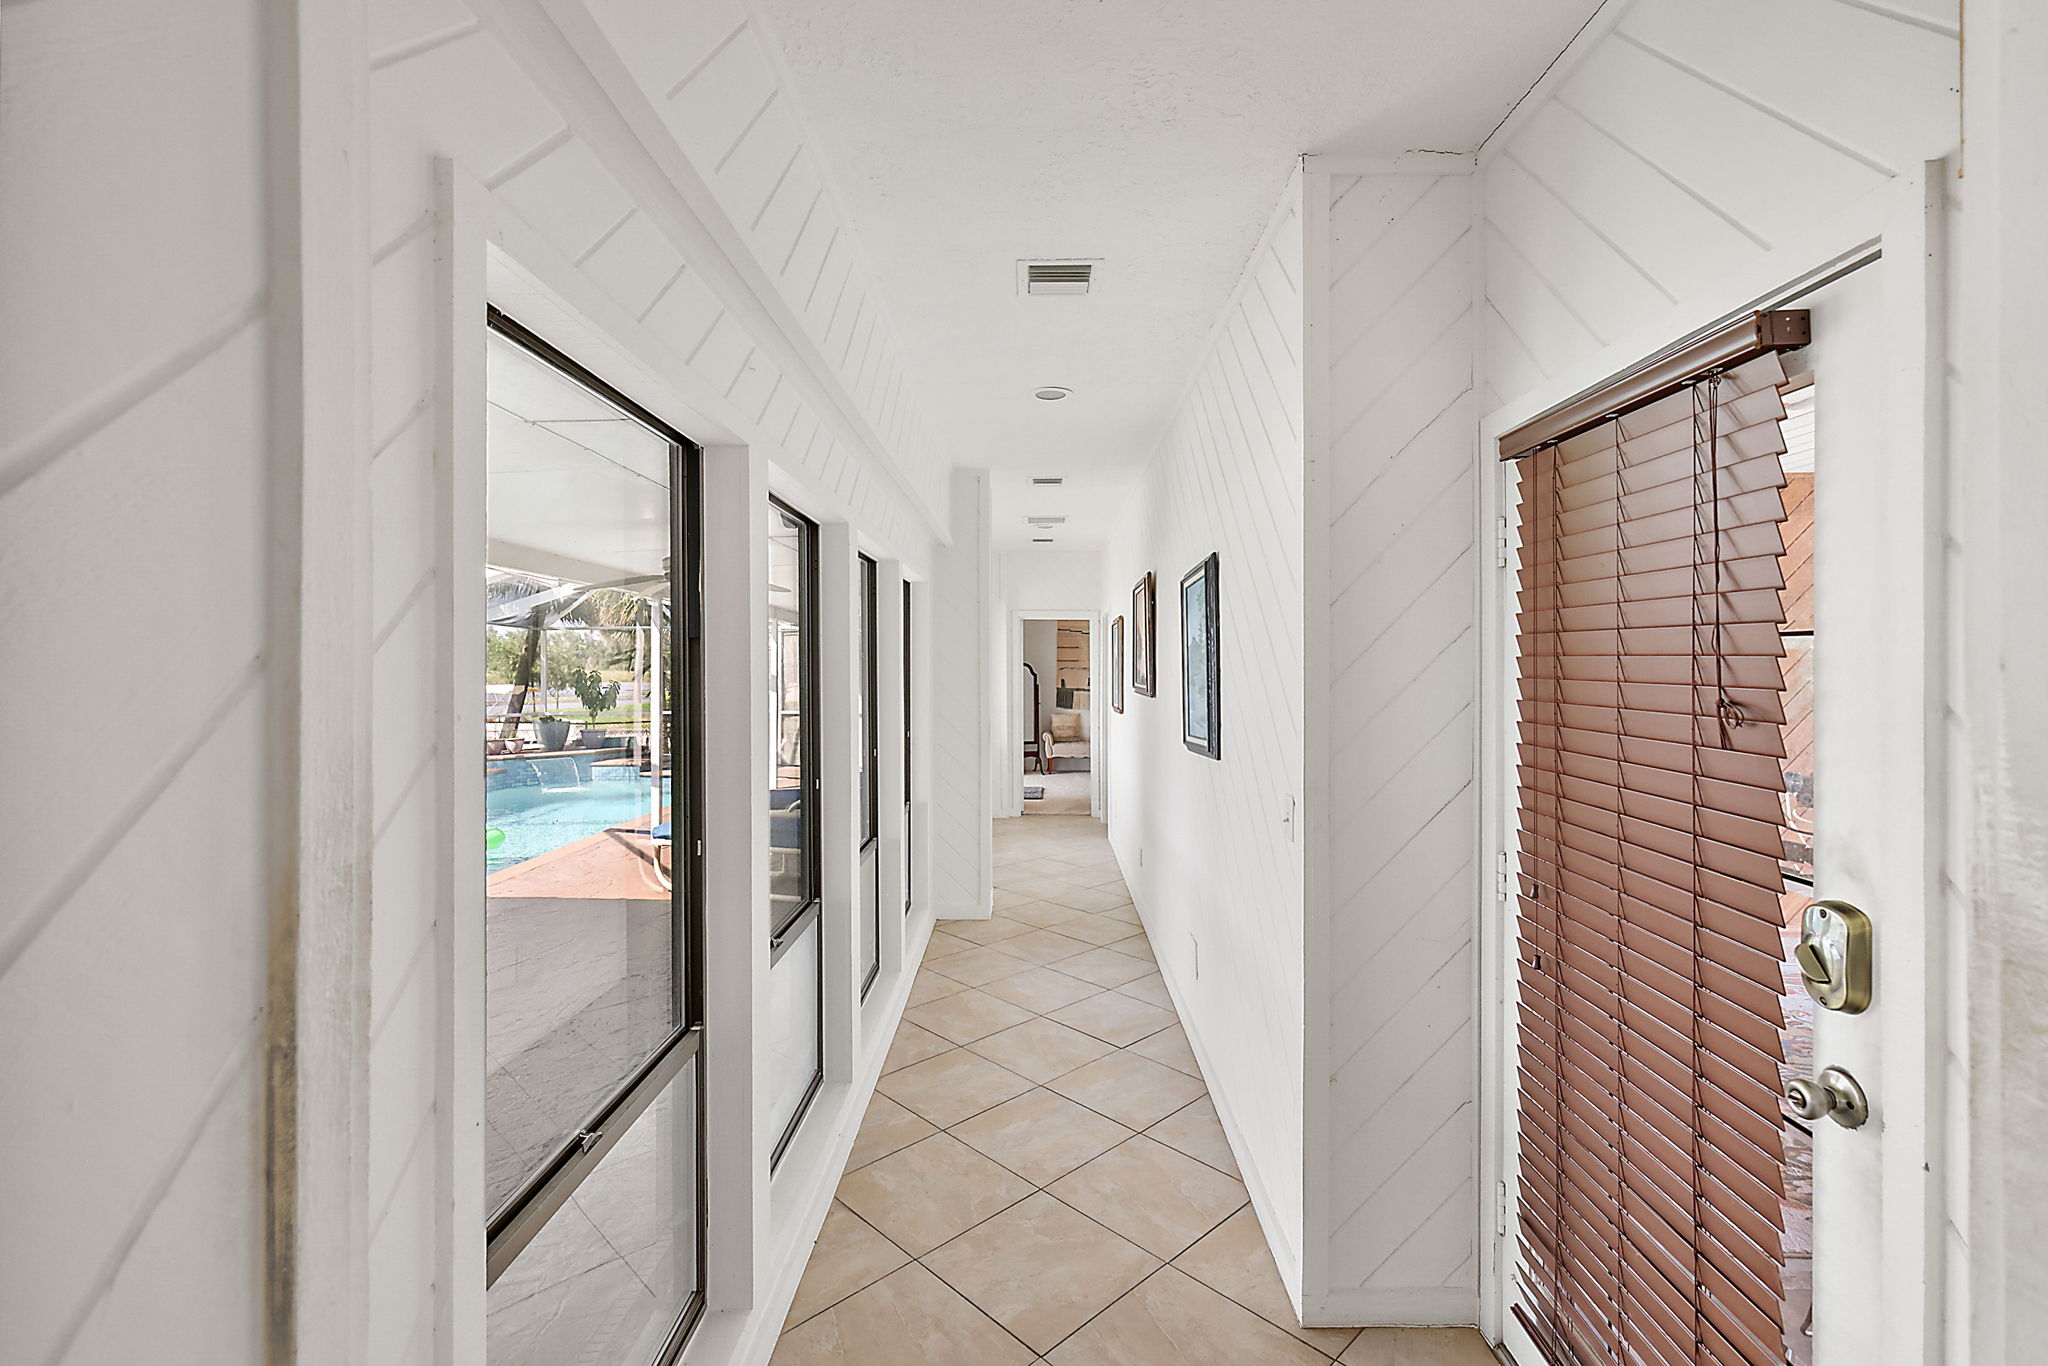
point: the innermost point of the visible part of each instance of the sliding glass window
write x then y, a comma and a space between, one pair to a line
796, 978
593, 1138
867, 705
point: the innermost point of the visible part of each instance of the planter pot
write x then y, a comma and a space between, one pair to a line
553, 734
593, 737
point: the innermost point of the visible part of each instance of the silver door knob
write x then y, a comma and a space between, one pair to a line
1833, 1093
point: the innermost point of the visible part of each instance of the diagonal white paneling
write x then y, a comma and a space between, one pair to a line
1687, 142
716, 84
1203, 843
1399, 1228
139, 874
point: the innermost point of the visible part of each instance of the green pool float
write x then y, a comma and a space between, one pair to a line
493, 837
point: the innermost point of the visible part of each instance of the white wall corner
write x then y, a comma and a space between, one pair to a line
1312, 818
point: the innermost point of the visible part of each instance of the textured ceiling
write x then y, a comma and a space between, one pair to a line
1156, 136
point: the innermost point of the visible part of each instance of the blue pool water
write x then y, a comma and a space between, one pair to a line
537, 819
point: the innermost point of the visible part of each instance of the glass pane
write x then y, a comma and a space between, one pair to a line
790, 877
793, 1058
581, 945
868, 924
613, 1270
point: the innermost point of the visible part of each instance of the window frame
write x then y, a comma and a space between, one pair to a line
871, 763
522, 1214
805, 918
809, 781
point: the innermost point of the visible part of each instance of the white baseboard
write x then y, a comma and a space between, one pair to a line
1287, 1256
803, 1187
1423, 1307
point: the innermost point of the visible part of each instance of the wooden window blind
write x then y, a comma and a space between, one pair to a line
1650, 1156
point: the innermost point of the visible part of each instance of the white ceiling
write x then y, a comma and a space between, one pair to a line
576, 489
1153, 134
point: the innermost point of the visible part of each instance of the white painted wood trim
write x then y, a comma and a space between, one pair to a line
839, 798
1415, 162
461, 951
317, 1050
1309, 1286
921, 741
892, 819
736, 928
1494, 776
1997, 1308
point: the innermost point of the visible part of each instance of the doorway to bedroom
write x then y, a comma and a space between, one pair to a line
1054, 716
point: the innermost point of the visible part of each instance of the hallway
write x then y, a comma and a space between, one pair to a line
1041, 1175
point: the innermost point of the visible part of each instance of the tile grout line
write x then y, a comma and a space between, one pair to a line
1035, 1187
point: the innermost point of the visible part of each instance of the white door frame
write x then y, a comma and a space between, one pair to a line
1012, 759
1895, 232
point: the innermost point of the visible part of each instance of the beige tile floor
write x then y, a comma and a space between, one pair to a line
1041, 1176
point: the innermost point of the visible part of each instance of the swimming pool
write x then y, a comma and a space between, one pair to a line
538, 819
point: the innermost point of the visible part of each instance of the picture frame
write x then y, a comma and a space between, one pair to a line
1144, 651
1201, 707
1116, 666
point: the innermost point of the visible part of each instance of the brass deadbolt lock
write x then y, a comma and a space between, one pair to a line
1834, 956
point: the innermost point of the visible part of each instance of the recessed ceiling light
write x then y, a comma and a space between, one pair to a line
1052, 393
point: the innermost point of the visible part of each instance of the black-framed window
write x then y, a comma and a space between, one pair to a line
792, 642
870, 700
796, 968
593, 875
868, 703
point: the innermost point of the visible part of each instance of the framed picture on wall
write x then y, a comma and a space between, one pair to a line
1201, 693
1116, 665
1144, 615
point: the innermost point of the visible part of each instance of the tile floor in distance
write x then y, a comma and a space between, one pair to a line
1041, 1176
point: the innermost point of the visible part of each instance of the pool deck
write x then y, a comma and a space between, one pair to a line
614, 863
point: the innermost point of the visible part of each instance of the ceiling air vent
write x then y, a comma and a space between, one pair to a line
1056, 277
1046, 480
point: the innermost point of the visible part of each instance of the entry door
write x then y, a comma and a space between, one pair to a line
1862, 654
1875, 834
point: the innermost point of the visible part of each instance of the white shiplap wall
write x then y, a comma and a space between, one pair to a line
712, 75
145, 760
962, 645
1396, 1228
1686, 143
593, 176
1210, 862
